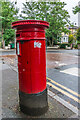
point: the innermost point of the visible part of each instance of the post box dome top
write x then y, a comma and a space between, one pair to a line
29, 22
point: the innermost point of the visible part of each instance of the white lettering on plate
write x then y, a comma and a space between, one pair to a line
37, 44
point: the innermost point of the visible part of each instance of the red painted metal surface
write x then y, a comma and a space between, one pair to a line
30, 37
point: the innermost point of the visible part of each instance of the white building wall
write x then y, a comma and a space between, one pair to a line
64, 39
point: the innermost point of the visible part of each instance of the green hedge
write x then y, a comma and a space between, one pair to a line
63, 45
76, 46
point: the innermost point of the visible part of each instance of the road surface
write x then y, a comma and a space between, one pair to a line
12, 52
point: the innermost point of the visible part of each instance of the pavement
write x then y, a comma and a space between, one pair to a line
62, 84
8, 52
10, 100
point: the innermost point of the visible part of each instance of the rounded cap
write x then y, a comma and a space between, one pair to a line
29, 22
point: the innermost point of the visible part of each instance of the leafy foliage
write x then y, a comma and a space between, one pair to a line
78, 35
9, 15
53, 12
76, 9
8, 36
71, 38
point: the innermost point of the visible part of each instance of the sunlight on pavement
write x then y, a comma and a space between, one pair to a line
62, 64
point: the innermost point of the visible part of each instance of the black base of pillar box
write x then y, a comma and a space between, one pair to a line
33, 104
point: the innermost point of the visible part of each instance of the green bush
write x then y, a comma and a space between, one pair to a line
78, 42
58, 44
76, 46
68, 45
0, 44
63, 45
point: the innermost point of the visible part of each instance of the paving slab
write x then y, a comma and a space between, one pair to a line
10, 100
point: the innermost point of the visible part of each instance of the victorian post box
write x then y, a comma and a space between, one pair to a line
31, 52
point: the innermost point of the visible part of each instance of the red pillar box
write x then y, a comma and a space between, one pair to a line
30, 41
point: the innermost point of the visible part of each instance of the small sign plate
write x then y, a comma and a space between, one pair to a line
18, 49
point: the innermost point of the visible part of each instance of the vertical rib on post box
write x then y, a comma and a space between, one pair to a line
30, 41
